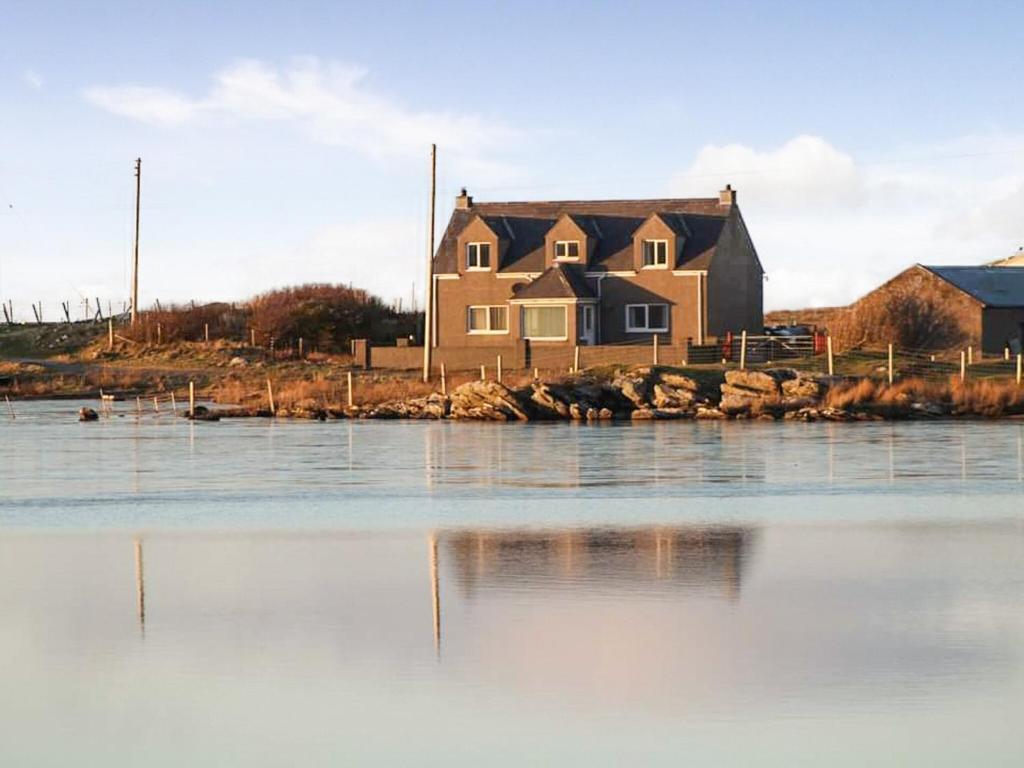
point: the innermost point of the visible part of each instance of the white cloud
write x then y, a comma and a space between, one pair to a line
829, 228
33, 79
147, 105
330, 102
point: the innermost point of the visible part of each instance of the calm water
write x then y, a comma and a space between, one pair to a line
256, 593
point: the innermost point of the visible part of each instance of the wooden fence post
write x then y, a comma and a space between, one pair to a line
351, 399
252, 337
536, 374
174, 404
191, 399
654, 351
499, 369
483, 373
890, 365
576, 357
743, 350
970, 355
1019, 358
1006, 353
444, 380
206, 332
963, 366
13, 417
300, 347
156, 404
110, 334
831, 365
270, 396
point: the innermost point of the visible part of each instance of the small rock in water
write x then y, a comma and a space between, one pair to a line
87, 414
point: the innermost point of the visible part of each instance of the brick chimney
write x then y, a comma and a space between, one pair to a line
463, 202
727, 196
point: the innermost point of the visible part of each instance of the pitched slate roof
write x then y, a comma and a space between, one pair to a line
526, 223
992, 286
561, 281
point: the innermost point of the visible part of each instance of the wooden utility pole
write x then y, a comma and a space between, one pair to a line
135, 259
428, 309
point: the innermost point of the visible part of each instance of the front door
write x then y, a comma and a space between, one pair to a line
588, 333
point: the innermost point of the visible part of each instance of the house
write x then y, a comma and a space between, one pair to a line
594, 272
985, 304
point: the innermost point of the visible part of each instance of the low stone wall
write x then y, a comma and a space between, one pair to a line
396, 358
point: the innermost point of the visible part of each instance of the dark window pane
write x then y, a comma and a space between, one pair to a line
485, 254
638, 316
657, 316
574, 250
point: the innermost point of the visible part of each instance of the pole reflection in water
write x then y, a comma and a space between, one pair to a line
435, 594
140, 586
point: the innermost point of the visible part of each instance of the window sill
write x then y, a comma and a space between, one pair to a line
486, 333
478, 269
646, 330
545, 338
655, 266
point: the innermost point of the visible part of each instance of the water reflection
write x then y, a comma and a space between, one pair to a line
702, 558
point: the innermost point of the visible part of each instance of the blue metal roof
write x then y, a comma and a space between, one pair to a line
992, 286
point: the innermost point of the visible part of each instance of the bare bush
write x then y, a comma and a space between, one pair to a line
906, 318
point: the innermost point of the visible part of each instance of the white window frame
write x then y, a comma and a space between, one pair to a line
566, 243
646, 328
476, 245
522, 322
656, 265
489, 331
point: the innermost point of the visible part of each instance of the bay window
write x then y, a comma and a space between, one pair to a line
545, 322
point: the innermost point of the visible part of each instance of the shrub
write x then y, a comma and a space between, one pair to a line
908, 319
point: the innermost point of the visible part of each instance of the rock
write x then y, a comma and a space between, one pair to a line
835, 414
576, 413
667, 396
803, 387
672, 413
766, 382
202, 413
634, 388
642, 414
238, 362
87, 414
929, 410
708, 413
549, 401
486, 400
605, 414
678, 381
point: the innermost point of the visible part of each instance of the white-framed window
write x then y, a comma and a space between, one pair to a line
478, 255
545, 321
655, 253
567, 250
646, 318
487, 319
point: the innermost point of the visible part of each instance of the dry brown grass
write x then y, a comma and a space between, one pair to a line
983, 398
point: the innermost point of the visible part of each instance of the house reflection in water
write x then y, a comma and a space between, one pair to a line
697, 559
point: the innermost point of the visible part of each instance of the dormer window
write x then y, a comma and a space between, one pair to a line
567, 250
655, 253
478, 255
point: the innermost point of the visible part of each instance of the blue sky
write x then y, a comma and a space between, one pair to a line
289, 142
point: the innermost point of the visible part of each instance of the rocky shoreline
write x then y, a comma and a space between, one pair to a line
641, 394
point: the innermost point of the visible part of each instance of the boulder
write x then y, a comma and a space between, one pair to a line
705, 413
804, 387
634, 387
486, 400
549, 401
766, 382
238, 362
87, 414
668, 396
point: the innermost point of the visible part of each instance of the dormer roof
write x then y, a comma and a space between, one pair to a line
560, 281
612, 223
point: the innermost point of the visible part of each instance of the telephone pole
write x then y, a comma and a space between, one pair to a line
428, 309
135, 263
